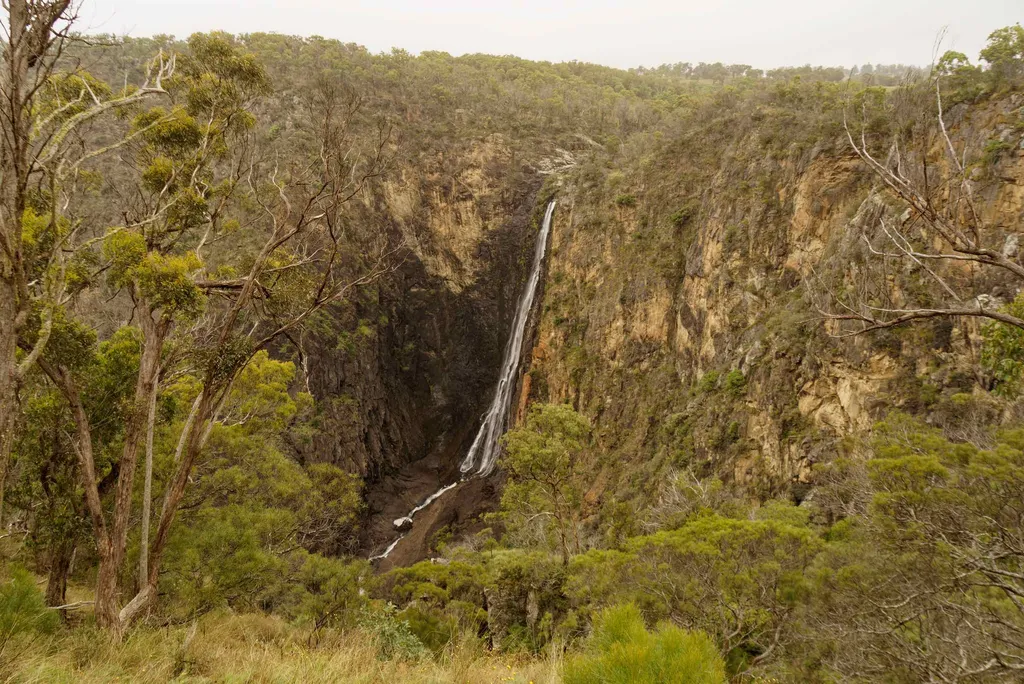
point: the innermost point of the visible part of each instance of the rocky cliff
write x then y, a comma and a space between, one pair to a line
402, 373
680, 311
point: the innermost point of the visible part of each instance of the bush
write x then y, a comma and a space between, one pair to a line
335, 590
23, 610
735, 382
395, 638
708, 382
1002, 353
683, 216
626, 200
622, 650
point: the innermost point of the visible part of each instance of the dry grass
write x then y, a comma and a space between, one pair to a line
257, 649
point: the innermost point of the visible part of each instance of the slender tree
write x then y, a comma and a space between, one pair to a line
42, 111
200, 180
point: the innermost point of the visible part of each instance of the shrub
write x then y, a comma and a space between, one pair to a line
684, 215
335, 590
1003, 351
395, 638
622, 650
708, 382
993, 151
626, 200
735, 382
23, 610
736, 580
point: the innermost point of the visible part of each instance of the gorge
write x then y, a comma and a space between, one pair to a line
485, 446
306, 358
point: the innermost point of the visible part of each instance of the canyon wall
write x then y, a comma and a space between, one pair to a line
680, 312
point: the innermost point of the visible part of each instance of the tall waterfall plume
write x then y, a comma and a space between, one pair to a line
483, 455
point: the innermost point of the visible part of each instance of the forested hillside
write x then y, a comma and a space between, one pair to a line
254, 295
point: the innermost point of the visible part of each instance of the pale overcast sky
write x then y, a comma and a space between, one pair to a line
623, 33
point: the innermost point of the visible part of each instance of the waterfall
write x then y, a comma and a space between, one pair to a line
483, 454
387, 551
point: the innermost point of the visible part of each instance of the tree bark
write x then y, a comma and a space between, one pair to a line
147, 493
13, 183
8, 383
61, 554
193, 440
112, 558
112, 541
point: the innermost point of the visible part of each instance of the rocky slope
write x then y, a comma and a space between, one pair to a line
680, 314
680, 310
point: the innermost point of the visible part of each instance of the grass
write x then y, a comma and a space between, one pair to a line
253, 649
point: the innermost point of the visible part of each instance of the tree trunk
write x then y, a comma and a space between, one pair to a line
192, 441
61, 555
8, 392
13, 182
153, 334
106, 606
107, 584
147, 493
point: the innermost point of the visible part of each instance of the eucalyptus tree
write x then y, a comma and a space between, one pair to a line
45, 115
544, 496
224, 247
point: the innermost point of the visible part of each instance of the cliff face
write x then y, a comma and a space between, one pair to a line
680, 312
402, 374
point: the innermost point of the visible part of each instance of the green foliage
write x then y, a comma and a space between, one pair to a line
683, 216
626, 200
395, 638
166, 282
39, 234
229, 555
256, 520
174, 133
72, 343
475, 593
708, 382
158, 175
962, 81
735, 382
336, 591
220, 73
260, 395
940, 543
22, 610
1004, 53
66, 95
622, 650
544, 493
1002, 353
443, 601
163, 280
125, 250
993, 150
737, 580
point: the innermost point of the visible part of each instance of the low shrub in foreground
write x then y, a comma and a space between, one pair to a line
621, 649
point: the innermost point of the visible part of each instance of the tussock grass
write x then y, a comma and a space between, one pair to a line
254, 649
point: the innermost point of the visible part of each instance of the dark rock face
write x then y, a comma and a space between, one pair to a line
402, 372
